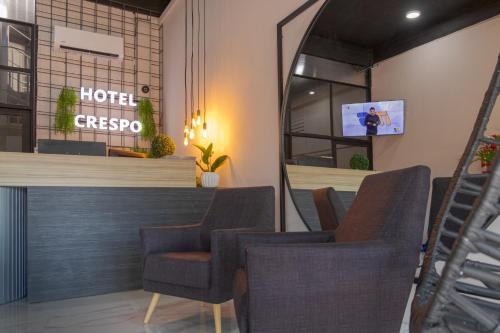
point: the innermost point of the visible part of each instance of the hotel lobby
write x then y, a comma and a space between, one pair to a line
249, 166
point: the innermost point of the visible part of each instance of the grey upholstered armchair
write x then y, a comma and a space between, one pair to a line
199, 261
357, 280
331, 209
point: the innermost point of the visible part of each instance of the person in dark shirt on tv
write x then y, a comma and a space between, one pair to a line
372, 121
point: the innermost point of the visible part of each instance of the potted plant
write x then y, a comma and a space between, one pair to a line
145, 110
208, 176
359, 162
161, 146
486, 154
65, 111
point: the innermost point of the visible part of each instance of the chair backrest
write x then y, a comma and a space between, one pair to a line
245, 207
331, 209
389, 206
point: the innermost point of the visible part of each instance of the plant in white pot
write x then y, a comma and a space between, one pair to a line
208, 176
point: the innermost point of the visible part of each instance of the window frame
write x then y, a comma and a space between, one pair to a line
29, 111
334, 140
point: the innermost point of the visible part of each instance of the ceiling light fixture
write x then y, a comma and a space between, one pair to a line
312, 92
412, 14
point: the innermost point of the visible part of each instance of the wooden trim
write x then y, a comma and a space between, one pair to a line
26, 169
311, 178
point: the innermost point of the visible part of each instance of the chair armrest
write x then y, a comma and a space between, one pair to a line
225, 256
155, 239
332, 284
246, 240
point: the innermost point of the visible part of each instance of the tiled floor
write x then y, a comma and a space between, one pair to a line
120, 313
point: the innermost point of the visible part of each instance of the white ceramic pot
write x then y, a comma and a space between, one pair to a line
209, 179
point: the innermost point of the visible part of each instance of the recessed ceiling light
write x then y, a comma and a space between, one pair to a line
413, 14
312, 92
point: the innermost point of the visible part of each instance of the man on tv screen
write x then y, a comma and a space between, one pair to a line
372, 121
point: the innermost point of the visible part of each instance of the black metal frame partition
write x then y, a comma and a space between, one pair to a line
118, 18
27, 112
334, 140
283, 95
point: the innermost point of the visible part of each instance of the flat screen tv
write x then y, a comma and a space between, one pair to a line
373, 118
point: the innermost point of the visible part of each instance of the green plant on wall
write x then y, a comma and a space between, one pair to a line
65, 112
145, 109
206, 159
359, 162
162, 145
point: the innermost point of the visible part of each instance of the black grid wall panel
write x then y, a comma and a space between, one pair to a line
55, 69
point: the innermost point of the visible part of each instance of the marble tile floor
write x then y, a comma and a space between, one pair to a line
115, 313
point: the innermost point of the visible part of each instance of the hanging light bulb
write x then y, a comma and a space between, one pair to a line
186, 128
205, 131
191, 134
193, 121
198, 117
186, 142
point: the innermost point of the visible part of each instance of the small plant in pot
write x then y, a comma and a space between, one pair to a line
359, 162
486, 153
208, 176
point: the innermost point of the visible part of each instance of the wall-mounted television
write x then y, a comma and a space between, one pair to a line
373, 118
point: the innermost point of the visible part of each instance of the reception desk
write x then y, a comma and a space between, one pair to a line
72, 225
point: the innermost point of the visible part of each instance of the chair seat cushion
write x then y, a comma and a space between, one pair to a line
189, 269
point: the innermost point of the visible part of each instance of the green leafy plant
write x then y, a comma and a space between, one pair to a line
145, 109
487, 152
205, 163
359, 162
162, 145
65, 111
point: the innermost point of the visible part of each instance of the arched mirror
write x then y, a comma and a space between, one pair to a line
351, 93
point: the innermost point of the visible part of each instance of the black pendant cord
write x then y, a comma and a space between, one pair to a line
204, 63
185, 65
198, 59
192, 61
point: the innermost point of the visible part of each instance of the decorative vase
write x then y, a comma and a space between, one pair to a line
209, 179
485, 167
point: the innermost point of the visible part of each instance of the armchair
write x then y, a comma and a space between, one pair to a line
199, 261
331, 209
360, 282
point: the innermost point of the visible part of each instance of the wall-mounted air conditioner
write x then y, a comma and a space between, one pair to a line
74, 40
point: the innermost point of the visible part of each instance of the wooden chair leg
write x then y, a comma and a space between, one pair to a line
151, 308
217, 318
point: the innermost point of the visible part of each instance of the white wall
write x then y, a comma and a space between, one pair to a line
443, 84
242, 82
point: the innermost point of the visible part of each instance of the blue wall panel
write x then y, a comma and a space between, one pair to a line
13, 224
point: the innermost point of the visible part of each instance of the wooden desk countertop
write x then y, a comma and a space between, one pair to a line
27, 169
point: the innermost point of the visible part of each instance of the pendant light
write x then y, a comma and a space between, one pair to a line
186, 128
205, 130
193, 119
198, 111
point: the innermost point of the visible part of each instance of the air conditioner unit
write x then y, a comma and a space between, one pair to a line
74, 40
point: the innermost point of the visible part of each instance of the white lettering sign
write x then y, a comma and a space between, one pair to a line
101, 96
103, 123
111, 124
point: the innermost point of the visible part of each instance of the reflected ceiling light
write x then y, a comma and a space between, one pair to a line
301, 65
3, 11
312, 92
412, 14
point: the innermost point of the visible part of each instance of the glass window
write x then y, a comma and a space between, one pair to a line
14, 88
15, 45
312, 152
343, 94
309, 106
12, 127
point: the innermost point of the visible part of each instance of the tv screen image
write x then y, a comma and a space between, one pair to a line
373, 118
